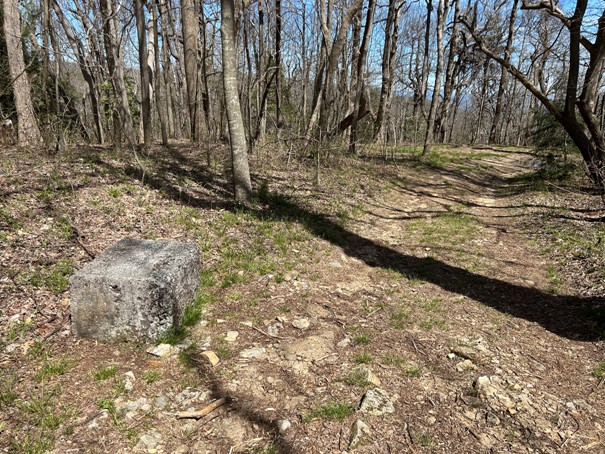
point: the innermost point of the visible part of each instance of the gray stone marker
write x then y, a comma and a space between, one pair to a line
135, 290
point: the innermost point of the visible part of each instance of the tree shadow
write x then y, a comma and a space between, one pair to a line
247, 407
565, 315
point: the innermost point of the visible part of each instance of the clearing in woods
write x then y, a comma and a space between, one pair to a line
471, 290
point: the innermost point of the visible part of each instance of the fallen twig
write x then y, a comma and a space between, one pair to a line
265, 333
203, 412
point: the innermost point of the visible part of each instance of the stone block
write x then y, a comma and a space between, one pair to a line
135, 290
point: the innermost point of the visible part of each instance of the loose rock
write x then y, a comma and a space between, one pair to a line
211, 357
360, 431
231, 336
376, 402
283, 425
467, 364
301, 323
129, 380
163, 350
255, 352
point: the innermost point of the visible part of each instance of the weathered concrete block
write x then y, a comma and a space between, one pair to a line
135, 290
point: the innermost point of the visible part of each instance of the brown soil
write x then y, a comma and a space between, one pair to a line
440, 277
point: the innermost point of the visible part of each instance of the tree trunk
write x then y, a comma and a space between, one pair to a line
452, 69
495, 130
388, 65
27, 127
144, 72
278, 93
442, 9
361, 64
242, 187
122, 116
190, 38
161, 102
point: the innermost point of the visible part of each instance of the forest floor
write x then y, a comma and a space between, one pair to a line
460, 297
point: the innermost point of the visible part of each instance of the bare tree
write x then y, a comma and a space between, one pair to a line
145, 73
242, 187
115, 64
442, 10
190, 47
27, 127
588, 137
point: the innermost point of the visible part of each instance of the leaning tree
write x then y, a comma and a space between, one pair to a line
585, 64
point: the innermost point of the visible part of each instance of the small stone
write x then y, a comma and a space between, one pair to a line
359, 433
301, 323
220, 321
255, 352
161, 402
247, 323
187, 397
231, 336
283, 425
184, 345
467, 364
376, 402
347, 341
210, 357
431, 420
335, 264
290, 357
451, 355
129, 380
163, 350
273, 329
150, 440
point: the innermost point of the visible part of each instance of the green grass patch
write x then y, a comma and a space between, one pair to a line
357, 377
400, 318
599, 371
7, 390
52, 368
362, 338
151, 376
337, 411
393, 360
433, 322
363, 358
54, 277
105, 372
414, 371
448, 228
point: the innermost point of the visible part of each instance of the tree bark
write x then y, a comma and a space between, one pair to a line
122, 115
496, 128
28, 132
278, 93
361, 64
190, 38
388, 65
144, 73
242, 187
442, 9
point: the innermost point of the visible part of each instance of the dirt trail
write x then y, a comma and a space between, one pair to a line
415, 312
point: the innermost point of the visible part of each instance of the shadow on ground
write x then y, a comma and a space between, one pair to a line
567, 316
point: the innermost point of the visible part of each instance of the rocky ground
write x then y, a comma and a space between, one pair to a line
449, 305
